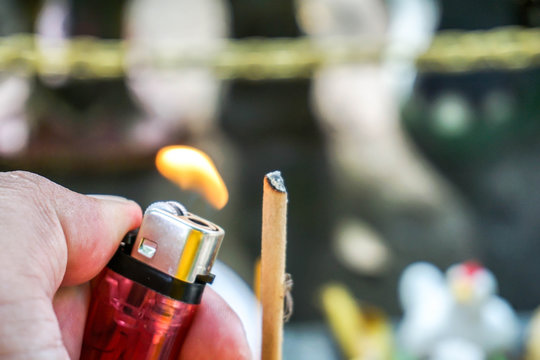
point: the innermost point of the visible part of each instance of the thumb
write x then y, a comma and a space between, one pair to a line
63, 238
93, 227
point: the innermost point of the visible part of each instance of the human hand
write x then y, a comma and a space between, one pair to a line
54, 241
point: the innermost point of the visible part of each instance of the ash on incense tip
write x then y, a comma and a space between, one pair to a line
276, 181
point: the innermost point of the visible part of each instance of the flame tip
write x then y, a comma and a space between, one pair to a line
192, 169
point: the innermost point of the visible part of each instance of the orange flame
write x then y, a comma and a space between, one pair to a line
193, 170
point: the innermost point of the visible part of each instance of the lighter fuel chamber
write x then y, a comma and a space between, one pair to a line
143, 303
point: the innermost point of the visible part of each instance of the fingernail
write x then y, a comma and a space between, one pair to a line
109, 197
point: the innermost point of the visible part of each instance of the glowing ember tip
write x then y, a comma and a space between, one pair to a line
193, 170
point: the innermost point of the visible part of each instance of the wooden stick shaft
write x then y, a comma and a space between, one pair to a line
273, 269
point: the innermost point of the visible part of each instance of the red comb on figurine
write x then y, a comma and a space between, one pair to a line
472, 267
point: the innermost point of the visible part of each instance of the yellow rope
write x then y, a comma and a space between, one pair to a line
505, 48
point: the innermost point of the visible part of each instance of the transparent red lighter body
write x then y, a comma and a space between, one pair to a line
127, 320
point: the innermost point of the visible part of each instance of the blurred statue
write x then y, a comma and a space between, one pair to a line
381, 176
174, 98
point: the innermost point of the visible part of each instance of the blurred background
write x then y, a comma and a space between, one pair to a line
405, 130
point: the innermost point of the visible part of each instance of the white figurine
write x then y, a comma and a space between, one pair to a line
461, 313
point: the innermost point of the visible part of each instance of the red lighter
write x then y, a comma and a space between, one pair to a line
144, 301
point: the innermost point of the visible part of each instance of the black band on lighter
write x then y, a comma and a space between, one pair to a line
156, 280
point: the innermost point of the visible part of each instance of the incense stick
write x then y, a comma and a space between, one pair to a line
274, 238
